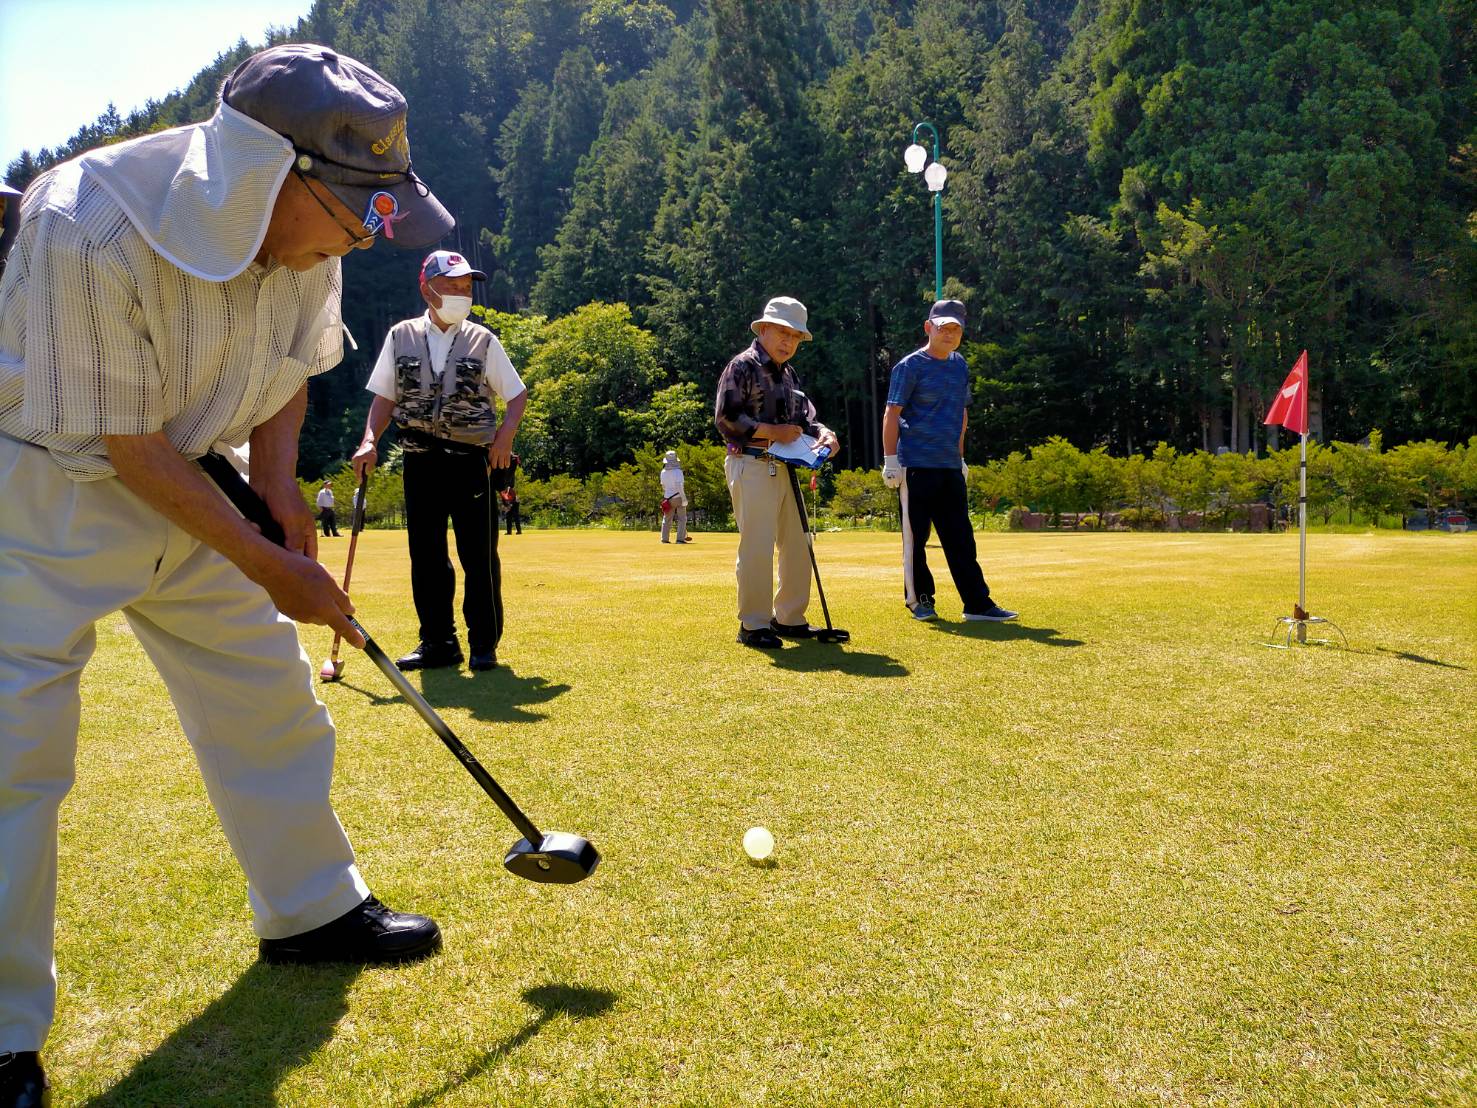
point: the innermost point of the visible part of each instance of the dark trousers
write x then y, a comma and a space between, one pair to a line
515, 518
440, 485
937, 499
329, 521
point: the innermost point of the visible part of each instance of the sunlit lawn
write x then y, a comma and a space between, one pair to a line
1116, 853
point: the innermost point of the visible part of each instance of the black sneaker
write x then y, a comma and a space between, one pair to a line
23, 1082
368, 933
791, 630
482, 659
993, 614
762, 637
432, 656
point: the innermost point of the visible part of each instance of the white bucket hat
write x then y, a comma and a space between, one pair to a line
670, 458
787, 312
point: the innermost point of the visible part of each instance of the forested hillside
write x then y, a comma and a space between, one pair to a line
1151, 207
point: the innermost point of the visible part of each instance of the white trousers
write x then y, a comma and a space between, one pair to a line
764, 509
70, 554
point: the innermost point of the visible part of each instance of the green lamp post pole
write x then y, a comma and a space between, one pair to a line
915, 158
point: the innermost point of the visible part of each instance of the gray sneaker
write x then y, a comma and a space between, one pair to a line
924, 609
993, 614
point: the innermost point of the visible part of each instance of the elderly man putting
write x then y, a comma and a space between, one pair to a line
167, 295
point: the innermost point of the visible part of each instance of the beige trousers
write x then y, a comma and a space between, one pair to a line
70, 554
764, 508
679, 513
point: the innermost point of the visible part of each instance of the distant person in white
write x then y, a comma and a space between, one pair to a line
325, 511
674, 498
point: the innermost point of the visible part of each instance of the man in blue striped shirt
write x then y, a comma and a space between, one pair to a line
923, 443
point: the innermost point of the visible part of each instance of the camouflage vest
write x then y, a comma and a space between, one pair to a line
459, 405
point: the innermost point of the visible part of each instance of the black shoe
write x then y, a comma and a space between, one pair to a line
483, 659
432, 656
791, 630
368, 933
23, 1082
761, 637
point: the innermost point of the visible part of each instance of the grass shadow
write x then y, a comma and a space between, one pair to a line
808, 656
271, 1021
495, 695
374, 698
1407, 656
550, 1001
1004, 632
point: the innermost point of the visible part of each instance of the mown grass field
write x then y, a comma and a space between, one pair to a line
1118, 853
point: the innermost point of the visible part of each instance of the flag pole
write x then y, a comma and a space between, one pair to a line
1290, 410
1302, 613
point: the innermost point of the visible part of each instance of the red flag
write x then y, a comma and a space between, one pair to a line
1290, 409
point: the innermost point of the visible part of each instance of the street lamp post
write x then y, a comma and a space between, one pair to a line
915, 157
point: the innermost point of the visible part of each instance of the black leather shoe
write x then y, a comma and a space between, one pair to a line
23, 1082
432, 656
368, 933
483, 659
762, 637
791, 630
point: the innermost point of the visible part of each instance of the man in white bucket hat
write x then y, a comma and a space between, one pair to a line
759, 402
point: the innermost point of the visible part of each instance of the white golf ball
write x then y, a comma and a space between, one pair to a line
758, 843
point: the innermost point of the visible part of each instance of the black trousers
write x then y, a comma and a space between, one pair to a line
329, 521
441, 486
937, 499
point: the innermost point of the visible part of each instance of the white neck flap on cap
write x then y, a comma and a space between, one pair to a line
201, 195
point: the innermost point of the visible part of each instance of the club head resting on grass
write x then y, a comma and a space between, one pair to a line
560, 859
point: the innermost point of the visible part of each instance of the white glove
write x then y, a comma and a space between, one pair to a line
892, 473
964, 469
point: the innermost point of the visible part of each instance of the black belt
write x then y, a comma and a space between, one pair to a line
422, 441
755, 451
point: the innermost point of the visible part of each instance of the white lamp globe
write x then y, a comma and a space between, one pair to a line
935, 175
914, 157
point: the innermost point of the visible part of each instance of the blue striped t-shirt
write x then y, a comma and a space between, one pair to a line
933, 394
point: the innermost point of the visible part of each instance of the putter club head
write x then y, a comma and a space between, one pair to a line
832, 634
560, 859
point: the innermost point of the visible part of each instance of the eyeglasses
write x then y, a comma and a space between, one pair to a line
354, 236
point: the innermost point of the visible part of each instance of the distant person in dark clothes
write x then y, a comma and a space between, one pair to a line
10, 218
923, 443
511, 514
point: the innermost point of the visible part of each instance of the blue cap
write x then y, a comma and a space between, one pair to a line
946, 311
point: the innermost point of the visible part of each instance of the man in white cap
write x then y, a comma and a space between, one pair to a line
164, 296
440, 377
759, 402
923, 446
674, 498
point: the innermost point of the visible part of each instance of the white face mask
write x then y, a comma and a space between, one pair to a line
454, 309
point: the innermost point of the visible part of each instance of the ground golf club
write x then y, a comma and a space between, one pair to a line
333, 667
828, 633
556, 858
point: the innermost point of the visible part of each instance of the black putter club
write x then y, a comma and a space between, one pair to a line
828, 634
559, 858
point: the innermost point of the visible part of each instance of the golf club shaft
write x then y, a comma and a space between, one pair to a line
809, 543
447, 736
354, 529
253, 508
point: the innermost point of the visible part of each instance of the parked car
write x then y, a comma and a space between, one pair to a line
1452, 520
1418, 521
